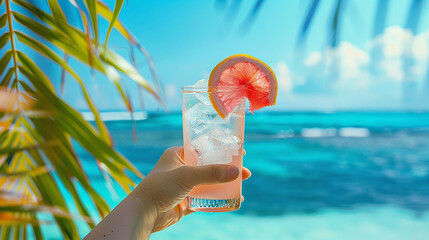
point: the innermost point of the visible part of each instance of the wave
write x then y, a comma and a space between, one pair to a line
285, 134
115, 116
318, 132
354, 132
333, 132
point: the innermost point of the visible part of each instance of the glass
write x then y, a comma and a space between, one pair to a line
210, 139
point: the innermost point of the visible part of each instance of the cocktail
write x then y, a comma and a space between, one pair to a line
211, 139
213, 124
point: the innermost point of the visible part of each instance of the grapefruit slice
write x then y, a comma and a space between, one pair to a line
244, 76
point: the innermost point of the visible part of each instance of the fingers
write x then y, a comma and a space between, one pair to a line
192, 176
188, 211
170, 159
176, 150
245, 173
180, 152
201, 174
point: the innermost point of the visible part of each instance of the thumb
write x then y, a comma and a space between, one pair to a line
192, 176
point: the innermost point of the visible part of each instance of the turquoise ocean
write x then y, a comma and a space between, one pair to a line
339, 175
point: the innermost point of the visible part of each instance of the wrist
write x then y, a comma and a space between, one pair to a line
146, 207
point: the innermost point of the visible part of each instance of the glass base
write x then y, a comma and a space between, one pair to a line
213, 205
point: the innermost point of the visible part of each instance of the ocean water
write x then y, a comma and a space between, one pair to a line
347, 175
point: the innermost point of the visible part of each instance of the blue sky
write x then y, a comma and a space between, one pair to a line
188, 38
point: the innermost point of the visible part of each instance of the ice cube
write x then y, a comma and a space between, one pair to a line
203, 83
213, 158
209, 115
201, 117
216, 147
202, 144
189, 100
203, 97
194, 119
207, 154
225, 141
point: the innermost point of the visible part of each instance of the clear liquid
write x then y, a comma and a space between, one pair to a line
227, 191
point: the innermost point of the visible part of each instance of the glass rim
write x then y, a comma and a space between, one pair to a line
190, 89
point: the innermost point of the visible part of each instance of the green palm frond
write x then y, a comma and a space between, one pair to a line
307, 22
93, 12
335, 23
118, 7
36, 132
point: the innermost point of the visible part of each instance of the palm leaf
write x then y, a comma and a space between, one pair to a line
3, 20
335, 23
114, 76
63, 75
30, 208
12, 219
67, 45
4, 39
79, 129
16, 231
247, 23
72, 190
88, 39
26, 173
12, 41
42, 127
307, 22
125, 67
36, 45
50, 191
36, 229
57, 12
34, 68
13, 150
106, 13
118, 7
92, 8
5, 232
5, 60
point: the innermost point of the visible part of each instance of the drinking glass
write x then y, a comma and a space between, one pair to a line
210, 139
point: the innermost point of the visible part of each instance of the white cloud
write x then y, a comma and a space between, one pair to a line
313, 59
399, 55
283, 77
369, 77
328, 71
351, 60
347, 61
398, 42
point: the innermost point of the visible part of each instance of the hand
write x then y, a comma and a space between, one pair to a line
170, 181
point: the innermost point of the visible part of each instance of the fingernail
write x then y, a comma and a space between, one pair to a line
233, 172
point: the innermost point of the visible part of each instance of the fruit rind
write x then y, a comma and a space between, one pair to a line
231, 61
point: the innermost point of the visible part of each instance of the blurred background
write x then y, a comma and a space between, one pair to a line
345, 152
328, 55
